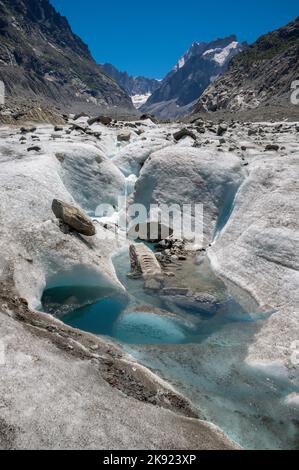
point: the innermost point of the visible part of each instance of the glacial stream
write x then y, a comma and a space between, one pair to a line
201, 353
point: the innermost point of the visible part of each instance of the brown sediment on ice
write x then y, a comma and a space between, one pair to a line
56, 377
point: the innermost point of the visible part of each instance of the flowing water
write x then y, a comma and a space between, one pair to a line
201, 352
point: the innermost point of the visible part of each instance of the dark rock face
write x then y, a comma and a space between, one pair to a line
132, 85
182, 87
260, 76
42, 59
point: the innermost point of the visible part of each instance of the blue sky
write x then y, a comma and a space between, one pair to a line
148, 37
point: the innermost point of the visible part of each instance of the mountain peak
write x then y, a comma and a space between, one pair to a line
195, 71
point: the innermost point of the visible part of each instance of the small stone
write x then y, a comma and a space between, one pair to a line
106, 120
196, 144
144, 117
173, 291
60, 157
271, 147
183, 133
34, 148
77, 127
24, 302
27, 130
152, 284
222, 128
169, 274
79, 115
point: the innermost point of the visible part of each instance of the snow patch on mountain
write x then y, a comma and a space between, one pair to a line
139, 100
181, 62
221, 55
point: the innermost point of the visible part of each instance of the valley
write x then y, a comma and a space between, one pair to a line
149, 236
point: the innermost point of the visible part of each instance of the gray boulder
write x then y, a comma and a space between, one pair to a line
144, 264
222, 129
34, 148
73, 217
124, 136
184, 133
100, 119
27, 130
272, 147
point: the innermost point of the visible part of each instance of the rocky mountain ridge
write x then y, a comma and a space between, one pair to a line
42, 59
260, 76
134, 86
